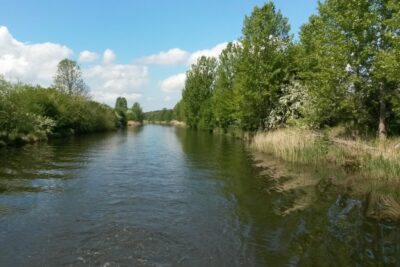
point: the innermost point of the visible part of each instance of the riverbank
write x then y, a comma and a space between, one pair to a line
365, 169
134, 123
172, 123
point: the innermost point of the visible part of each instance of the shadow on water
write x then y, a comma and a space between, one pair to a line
334, 230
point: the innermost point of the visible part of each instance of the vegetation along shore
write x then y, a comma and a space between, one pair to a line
34, 113
331, 97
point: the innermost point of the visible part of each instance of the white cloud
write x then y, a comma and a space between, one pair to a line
213, 52
177, 56
30, 63
176, 83
108, 56
167, 98
173, 83
87, 56
37, 64
117, 77
108, 81
173, 56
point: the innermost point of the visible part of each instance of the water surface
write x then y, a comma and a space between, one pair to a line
164, 196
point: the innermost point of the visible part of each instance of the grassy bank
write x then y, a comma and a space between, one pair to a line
370, 168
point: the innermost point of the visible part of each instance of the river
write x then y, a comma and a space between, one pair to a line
165, 196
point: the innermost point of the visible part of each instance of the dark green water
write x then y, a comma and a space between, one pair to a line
163, 196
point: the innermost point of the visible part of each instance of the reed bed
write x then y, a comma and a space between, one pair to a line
371, 166
373, 160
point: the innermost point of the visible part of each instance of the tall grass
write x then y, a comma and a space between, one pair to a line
373, 160
371, 169
370, 166
293, 145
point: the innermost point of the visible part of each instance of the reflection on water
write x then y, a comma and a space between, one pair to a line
163, 196
379, 244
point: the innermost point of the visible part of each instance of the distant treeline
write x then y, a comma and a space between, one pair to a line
343, 70
164, 115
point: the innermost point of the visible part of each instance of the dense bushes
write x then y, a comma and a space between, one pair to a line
30, 113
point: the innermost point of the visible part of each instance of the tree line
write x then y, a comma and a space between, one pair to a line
33, 113
344, 69
166, 115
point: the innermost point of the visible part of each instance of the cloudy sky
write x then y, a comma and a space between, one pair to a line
136, 49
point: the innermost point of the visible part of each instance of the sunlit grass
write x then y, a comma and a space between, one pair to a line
371, 166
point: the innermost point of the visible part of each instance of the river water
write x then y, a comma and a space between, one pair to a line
165, 196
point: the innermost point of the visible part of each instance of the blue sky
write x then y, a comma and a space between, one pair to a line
134, 32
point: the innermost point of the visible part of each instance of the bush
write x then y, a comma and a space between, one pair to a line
30, 114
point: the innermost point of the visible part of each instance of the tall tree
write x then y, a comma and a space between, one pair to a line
121, 104
178, 111
137, 112
197, 93
350, 55
68, 78
121, 108
385, 67
262, 68
223, 100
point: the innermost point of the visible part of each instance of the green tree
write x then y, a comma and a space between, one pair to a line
263, 67
137, 112
197, 93
386, 57
223, 100
164, 115
121, 108
68, 78
178, 112
350, 53
121, 104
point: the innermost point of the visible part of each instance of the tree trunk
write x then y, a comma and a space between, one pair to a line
382, 114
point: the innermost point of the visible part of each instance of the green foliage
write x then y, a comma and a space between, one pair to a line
179, 112
223, 99
30, 114
198, 90
349, 62
343, 71
263, 66
243, 87
121, 104
121, 109
136, 113
164, 115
